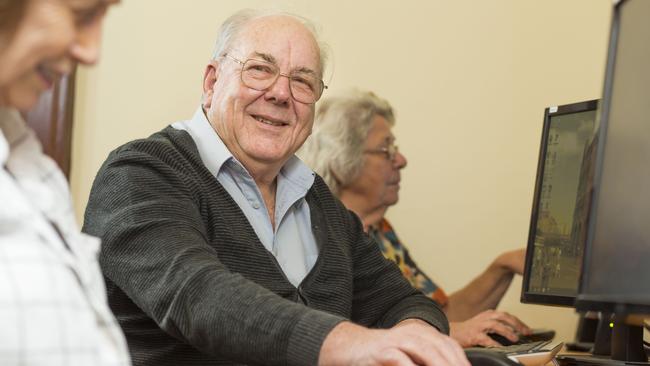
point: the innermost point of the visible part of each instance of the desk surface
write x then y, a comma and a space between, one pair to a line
596, 360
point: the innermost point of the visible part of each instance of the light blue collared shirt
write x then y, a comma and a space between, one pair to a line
292, 241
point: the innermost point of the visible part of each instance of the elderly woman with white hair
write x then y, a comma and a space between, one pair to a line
353, 149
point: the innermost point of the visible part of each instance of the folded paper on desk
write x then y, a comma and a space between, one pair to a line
529, 354
538, 357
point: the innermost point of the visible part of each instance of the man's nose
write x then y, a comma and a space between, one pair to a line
280, 91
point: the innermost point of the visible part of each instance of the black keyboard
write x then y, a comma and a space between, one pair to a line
518, 349
538, 334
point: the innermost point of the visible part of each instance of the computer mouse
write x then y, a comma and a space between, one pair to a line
485, 357
501, 339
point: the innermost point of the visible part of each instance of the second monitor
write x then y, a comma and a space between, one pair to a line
561, 204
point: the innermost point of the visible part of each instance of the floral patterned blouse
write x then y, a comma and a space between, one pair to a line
393, 249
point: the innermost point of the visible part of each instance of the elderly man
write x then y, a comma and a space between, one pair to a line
221, 247
353, 149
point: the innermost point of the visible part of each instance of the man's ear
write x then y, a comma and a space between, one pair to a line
209, 78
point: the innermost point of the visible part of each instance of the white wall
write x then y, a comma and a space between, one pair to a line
469, 80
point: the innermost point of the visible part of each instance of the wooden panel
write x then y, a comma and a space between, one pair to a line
52, 119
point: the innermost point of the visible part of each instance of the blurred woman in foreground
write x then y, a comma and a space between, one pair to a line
53, 306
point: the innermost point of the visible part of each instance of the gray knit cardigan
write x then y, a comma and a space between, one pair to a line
191, 284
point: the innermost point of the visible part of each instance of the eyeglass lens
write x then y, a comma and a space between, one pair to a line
260, 75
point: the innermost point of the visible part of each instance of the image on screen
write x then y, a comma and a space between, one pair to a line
564, 202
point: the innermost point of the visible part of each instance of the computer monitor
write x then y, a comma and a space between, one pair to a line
616, 268
560, 205
616, 274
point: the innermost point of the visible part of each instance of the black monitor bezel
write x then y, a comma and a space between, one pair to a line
589, 302
527, 296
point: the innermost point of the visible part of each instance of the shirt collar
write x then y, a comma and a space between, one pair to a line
212, 150
215, 154
4, 148
12, 128
298, 174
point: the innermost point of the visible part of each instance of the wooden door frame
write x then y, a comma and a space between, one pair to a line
52, 119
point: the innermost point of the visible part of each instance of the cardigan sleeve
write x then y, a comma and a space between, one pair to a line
155, 250
382, 296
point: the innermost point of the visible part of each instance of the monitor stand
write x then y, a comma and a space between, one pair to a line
585, 332
567, 360
627, 349
603, 341
627, 343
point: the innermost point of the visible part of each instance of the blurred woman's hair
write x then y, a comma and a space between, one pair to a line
341, 126
11, 12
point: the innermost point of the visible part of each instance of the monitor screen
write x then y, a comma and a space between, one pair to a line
616, 273
560, 206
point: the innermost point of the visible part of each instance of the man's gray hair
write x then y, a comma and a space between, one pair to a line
233, 26
335, 148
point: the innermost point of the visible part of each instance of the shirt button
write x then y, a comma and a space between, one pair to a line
256, 205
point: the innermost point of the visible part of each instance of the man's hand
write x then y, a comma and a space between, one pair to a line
411, 342
474, 331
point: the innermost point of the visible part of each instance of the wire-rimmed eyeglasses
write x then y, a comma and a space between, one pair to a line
305, 87
390, 151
